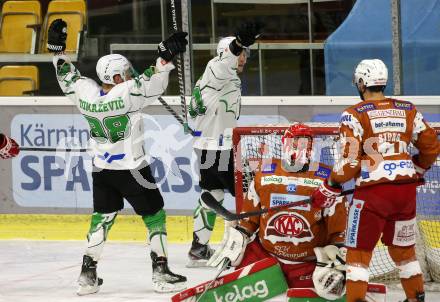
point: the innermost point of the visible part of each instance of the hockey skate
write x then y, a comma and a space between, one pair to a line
199, 254
88, 281
165, 281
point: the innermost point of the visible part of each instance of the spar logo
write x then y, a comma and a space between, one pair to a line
353, 222
246, 293
288, 227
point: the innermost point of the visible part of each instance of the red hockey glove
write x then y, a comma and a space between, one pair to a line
325, 196
8, 147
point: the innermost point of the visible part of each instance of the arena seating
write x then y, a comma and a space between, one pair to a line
19, 80
20, 21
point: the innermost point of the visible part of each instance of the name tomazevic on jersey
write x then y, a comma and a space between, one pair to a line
115, 119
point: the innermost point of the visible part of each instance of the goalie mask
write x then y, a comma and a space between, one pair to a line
111, 65
297, 147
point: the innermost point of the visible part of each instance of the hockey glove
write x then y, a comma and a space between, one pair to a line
8, 147
329, 275
325, 196
248, 33
57, 35
232, 247
172, 46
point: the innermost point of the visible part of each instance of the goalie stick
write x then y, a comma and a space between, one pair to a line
211, 202
224, 266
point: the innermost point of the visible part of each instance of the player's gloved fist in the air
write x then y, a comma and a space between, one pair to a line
248, 33
57, 35
325, 196
8, 147
172, 46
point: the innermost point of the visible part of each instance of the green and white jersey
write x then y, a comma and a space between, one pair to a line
215, 103
115, 119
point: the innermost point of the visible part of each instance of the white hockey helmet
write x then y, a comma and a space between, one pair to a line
224, 43
373, 72
110, 65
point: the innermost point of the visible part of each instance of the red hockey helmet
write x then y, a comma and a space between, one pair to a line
297, 145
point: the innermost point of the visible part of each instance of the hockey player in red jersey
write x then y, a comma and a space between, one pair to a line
295, 236
8, 147
375, 135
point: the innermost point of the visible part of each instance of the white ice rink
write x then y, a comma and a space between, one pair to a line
46, 271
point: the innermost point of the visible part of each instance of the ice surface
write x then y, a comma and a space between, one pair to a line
46, 271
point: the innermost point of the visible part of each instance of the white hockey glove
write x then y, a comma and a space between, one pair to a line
329, 275
232, 248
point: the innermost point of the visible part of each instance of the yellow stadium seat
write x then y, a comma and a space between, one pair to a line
74, 13
19, 80
20, 21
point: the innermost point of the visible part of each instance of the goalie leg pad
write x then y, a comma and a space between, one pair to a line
204, 217
99, 228
157, 232
232, 249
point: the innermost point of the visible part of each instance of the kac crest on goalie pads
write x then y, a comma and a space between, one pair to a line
256, 282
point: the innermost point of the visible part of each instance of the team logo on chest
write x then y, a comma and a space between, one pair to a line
288, 227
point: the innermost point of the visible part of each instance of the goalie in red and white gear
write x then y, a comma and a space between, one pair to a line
298, 237
375, 135
8, 147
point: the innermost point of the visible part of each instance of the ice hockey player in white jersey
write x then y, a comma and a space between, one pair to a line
214, 110
113, 112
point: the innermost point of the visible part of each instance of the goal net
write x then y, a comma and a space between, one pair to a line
253, 144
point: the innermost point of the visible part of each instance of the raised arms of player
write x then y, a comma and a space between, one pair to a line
66, 72
425, 140
224, 67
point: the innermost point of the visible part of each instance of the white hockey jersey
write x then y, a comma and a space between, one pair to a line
115, 118
215, 103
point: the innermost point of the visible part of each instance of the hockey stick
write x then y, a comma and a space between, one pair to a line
211, 202
225, 264
177, 117
180, 74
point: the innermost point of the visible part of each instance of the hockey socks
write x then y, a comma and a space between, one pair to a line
157, 232
204, 218
99, 228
